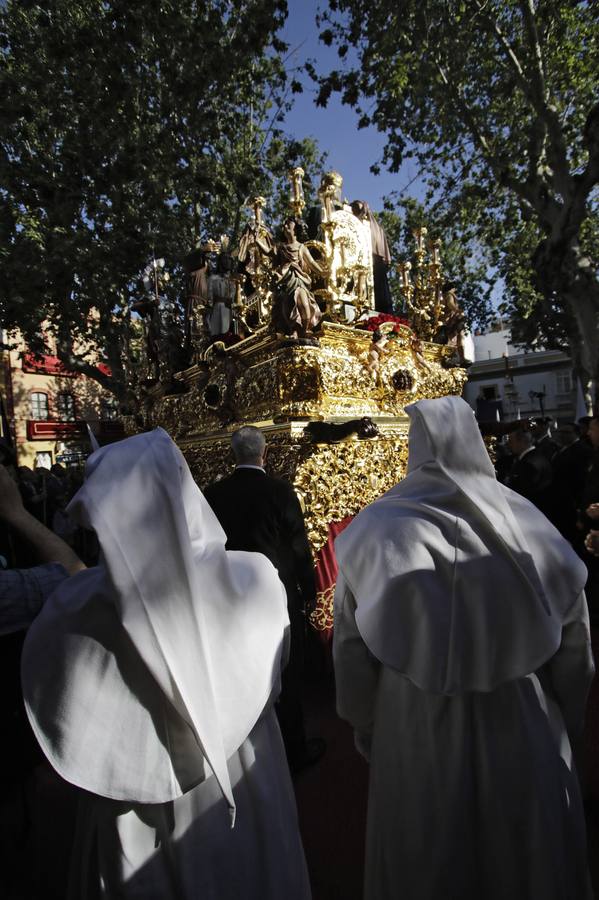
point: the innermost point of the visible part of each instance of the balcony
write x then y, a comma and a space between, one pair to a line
46, 430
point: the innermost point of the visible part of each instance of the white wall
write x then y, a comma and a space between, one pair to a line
492, 345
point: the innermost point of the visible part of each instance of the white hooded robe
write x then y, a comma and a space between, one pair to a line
462, 660
149, 682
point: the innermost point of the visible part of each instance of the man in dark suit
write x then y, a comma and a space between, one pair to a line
544, 443
531, 473
262, 514
570, 464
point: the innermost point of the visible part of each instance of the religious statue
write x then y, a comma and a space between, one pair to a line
295, 310
375, 354
221, 293
164, 337
147, 309
196, 268
381, 256
455, 331
172, 353
256, 243
329, 194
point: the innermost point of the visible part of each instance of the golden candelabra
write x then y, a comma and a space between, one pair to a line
421, 286
297, 191
257, 204
257, 306
238, 307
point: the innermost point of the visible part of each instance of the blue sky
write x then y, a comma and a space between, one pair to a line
350, 151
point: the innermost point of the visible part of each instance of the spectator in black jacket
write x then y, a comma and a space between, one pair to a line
544, 443
570, 464
530, 474
262, 514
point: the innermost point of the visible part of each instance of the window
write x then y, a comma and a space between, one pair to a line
65, 406
563, 382
39, 406
43, 460
489, 392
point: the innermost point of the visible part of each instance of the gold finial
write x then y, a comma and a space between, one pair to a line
420, 238
297, 191
435, 248
404, 274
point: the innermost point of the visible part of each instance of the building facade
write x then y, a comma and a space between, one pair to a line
48, 408
516, 383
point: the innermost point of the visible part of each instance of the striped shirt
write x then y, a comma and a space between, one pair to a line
23, 591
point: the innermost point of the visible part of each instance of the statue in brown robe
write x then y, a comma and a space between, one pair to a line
295, 311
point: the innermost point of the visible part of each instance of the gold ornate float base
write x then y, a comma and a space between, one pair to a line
332, 481
280, 386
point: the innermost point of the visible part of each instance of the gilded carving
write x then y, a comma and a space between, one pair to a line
267, 381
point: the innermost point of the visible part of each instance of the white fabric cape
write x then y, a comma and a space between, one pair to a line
163, 657
461, 584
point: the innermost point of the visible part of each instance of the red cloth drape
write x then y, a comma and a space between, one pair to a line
326, 578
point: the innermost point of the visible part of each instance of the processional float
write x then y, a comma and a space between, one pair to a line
286, 335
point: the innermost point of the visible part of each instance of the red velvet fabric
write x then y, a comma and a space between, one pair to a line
326, 578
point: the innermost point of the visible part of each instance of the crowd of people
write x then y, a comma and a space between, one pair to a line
152, 679
556, 467
45, 494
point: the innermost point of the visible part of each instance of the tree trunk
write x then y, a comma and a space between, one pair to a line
582, 298
562, 272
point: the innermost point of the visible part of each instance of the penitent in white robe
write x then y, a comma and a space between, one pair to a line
472, 795
149, 682
186, 849
462, 658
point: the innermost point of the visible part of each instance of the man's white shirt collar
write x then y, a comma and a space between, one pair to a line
524, 452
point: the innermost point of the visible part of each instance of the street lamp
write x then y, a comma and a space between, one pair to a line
540, 396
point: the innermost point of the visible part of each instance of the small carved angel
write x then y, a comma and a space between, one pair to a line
375, 354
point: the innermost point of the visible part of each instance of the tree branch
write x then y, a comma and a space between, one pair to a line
498, 165
75, 363
534, 90
559, 153
590, 175
538, 71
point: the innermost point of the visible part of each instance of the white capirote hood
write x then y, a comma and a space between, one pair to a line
143, 671
460, 583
